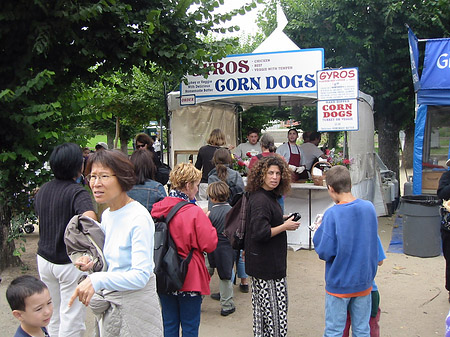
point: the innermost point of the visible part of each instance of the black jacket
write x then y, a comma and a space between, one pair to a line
443, 191
265, 256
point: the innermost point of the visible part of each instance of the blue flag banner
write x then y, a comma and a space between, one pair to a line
436, 65
414, 56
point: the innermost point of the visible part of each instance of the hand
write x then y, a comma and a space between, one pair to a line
292, 167
291, 225
84, 263
84, 292
300, 169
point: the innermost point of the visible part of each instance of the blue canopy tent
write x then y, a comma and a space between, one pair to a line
433, 97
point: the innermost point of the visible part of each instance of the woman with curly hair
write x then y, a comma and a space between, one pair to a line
266, 245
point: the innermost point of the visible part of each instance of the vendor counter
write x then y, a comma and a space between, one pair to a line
308, 200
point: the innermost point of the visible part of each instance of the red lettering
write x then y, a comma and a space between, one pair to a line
243, 66
231, 67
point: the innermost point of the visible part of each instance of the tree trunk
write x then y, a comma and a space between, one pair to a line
388, 143
407, 157
7, 259
124, 144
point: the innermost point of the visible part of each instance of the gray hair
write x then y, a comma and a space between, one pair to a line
268, 142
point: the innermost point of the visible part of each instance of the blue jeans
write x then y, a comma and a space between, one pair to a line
336, 315
181, 309
240, 266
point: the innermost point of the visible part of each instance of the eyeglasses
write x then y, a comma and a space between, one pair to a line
103, 178
140, 145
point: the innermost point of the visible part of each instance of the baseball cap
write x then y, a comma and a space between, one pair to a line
102, 144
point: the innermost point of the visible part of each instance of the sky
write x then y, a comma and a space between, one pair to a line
247, 22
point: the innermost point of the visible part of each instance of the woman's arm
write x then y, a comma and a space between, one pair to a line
288, 225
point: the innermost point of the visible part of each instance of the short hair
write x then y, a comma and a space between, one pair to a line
144, 167
216, 138
255, 179
296, 131
219, 191
144, 139
306, 135
182, 174
66, 161
338, 177
252, 130
118, 162
268, 142
314, 135
22, 287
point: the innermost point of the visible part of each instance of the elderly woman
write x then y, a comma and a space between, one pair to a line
190, 228
204, 159
266, 245
128, 250
56, 203
147, 191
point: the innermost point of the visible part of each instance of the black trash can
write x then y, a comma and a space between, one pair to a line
421, 225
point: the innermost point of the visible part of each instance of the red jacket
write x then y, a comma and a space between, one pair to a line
190, 228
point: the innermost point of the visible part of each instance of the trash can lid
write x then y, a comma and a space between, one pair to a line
426, 200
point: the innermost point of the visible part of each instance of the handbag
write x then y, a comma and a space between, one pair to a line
445, 218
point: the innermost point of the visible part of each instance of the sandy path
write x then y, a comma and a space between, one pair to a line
414, 301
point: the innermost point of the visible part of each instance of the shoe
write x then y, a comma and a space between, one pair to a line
243, 288
215, 296
227, 312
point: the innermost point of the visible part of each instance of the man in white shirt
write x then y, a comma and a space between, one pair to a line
294, 156
252, 145
310, 150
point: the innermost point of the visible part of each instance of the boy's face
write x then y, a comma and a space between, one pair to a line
38, 310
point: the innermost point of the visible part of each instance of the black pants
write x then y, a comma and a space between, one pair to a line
446, 251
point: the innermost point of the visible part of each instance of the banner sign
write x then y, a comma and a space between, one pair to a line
414, 57
337, 105
277, 73
436, 65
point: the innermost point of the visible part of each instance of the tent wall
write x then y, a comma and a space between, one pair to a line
191, 126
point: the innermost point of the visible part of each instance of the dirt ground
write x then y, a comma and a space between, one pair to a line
414, 301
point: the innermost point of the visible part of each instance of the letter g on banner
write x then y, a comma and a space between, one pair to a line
436, 65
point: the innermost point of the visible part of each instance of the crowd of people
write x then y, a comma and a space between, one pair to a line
124, 297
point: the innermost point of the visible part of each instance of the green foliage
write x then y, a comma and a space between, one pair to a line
66, 64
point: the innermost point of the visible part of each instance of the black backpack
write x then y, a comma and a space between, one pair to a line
170, 268
235, 221
162, 174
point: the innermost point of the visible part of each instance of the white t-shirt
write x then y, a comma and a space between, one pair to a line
242, 149
128, 248
284, 151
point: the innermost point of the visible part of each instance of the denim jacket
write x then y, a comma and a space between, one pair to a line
148, 193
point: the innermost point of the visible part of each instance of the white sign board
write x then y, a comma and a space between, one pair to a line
337, 115
337, 105
290, 72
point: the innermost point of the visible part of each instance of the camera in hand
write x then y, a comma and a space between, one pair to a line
295, 216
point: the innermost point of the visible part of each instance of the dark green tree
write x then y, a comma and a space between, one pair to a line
370, 35
48, 46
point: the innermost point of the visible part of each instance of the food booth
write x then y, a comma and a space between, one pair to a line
271, 76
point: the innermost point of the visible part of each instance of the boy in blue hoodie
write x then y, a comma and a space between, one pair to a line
347, 241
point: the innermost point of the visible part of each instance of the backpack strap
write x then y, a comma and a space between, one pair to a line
169, 217
175, 209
